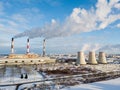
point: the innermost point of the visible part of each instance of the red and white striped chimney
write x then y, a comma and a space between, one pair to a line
28, 46
12, 46
43, 47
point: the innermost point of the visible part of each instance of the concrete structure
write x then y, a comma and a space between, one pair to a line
102, 58
81, 58
28, 58
26, 61
92, 58
23, 56
12, 46
28, 46
44, 48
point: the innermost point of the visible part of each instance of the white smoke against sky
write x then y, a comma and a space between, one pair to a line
90, 47
80, 20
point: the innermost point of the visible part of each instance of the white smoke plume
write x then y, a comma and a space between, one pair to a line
80, 20
90, 47
108, 48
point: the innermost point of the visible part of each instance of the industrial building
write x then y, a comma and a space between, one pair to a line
27, 58
30, 58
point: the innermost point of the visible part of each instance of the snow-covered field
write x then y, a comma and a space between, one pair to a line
113, 84
12, 74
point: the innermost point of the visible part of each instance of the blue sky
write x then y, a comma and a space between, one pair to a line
71, 25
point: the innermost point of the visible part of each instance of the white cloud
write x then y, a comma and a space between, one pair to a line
117, 5
80, 20
8, 30
9, 26
18, 22
15, 23
19, 18
118, 25
103, 9
53, 21
109, 20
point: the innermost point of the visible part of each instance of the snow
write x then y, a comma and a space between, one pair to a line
8, 88
12, 74
32, 84
113, 84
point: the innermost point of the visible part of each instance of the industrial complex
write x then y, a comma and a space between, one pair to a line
44, 70
28, 58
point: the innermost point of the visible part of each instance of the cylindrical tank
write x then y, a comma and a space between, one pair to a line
92, 58
81, 58
102, 58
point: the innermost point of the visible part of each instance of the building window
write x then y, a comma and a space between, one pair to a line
16, 61
6, 61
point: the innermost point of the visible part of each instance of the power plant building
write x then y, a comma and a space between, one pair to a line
27, 58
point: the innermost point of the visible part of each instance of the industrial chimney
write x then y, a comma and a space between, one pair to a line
92, 58
102, 58
44, 48
28, 46
81, 58
12, 46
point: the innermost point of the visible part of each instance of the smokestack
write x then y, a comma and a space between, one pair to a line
12, 46
28, 46
92, 58
102, 58
43, 47
81, 58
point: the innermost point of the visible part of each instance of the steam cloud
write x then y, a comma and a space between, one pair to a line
91, 47
80, 20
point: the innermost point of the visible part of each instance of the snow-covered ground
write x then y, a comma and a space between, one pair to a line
12, 74
113, 84
7, 87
